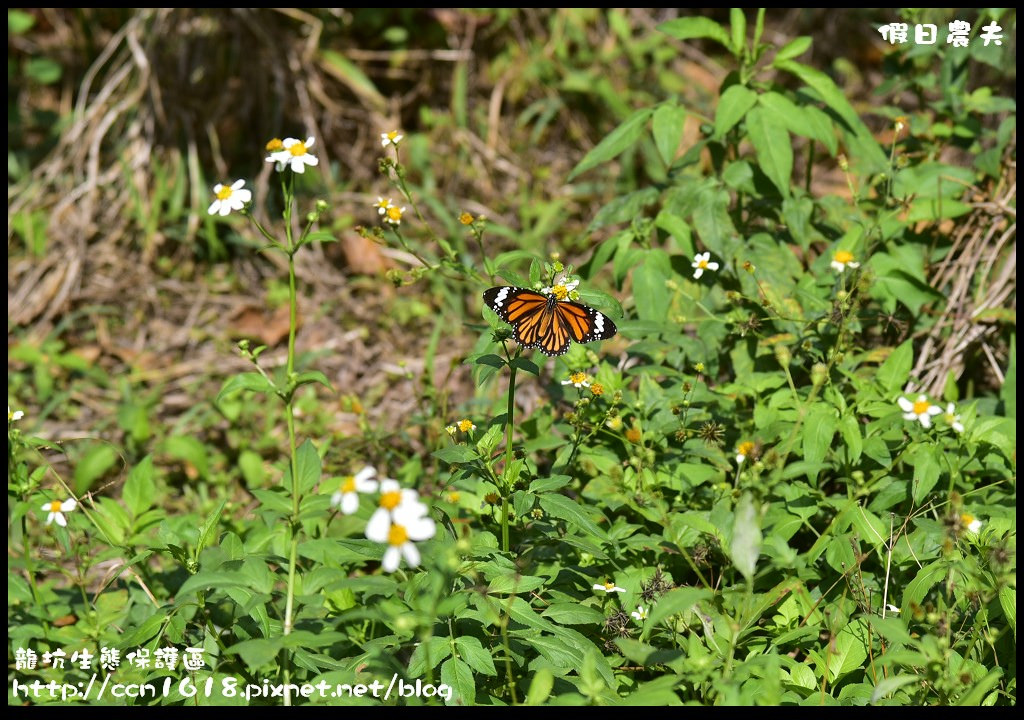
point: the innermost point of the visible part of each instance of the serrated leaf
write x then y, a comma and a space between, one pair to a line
773, 147
674, 602
540, 687
887, 686
563, 508
475, 655
209, 530
427, 655
455, 454
459, 677
733, 106
618, 141
819, 428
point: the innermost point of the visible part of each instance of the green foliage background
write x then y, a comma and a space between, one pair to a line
834, 565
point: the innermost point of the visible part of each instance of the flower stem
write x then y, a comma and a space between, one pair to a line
508, 449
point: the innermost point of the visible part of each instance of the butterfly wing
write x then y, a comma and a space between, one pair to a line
547, 326
585, 324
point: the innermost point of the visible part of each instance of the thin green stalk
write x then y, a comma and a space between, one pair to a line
290, 420
508, 450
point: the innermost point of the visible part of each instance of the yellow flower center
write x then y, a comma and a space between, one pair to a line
966, 518
702, 264
398, 535
466, 219
745, 448
348, 485
382, 203
609, 586
55, 506
453, 497
390, 500
578, 378
921, 407
275, 145
633, 435
465, 425
844, 256
298, 149
224, 193
392, 135
597, 389
561, 292
395, 213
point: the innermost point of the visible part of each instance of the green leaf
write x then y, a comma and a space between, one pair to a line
819, 428
746, 537
252, 381
1008, 602
573, 614
793, 49
313, 376
667, 127
139, 489
887, 686
773, 147
927, 470
863, 146
459, 677
895, 371
455, 454
526, 365
926, 578
19, 22
563, 508
540, 687
737, 30
618, 141
95, 462
689, 28
676, 601
308, 466
209, 530
850, 649
733, 106
188, 449
428, 654
849, 428
475, 655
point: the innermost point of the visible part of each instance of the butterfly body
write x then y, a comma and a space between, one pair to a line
544, 322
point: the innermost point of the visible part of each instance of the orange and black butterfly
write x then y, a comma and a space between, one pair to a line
544, 322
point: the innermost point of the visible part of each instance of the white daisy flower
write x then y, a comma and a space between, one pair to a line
16, 415
892, 609
295, 155
640, 614
843, 259
399, 530
973, 524
382, 205
578, 380
390, 138
466, 425
609, 587
952, 418
347, 496
920, 410
702, 262
229, 197
393, 214
743, 450
56, 510
561, 289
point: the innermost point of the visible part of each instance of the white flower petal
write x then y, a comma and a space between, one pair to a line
225, 209
905, 405
392, 556
412, 554
388, 485
68, 505
697, 273
926, 419
214, 207
310, 141
934, 410
740, 458
975, 526
298, 166
49, 518
853, 264
600, 587
421, 528
910, 416
237, 184
47, 506
349, 503
712, 266
958, 426
379, 526
336, 499
838, 266
244, 195
60, 519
